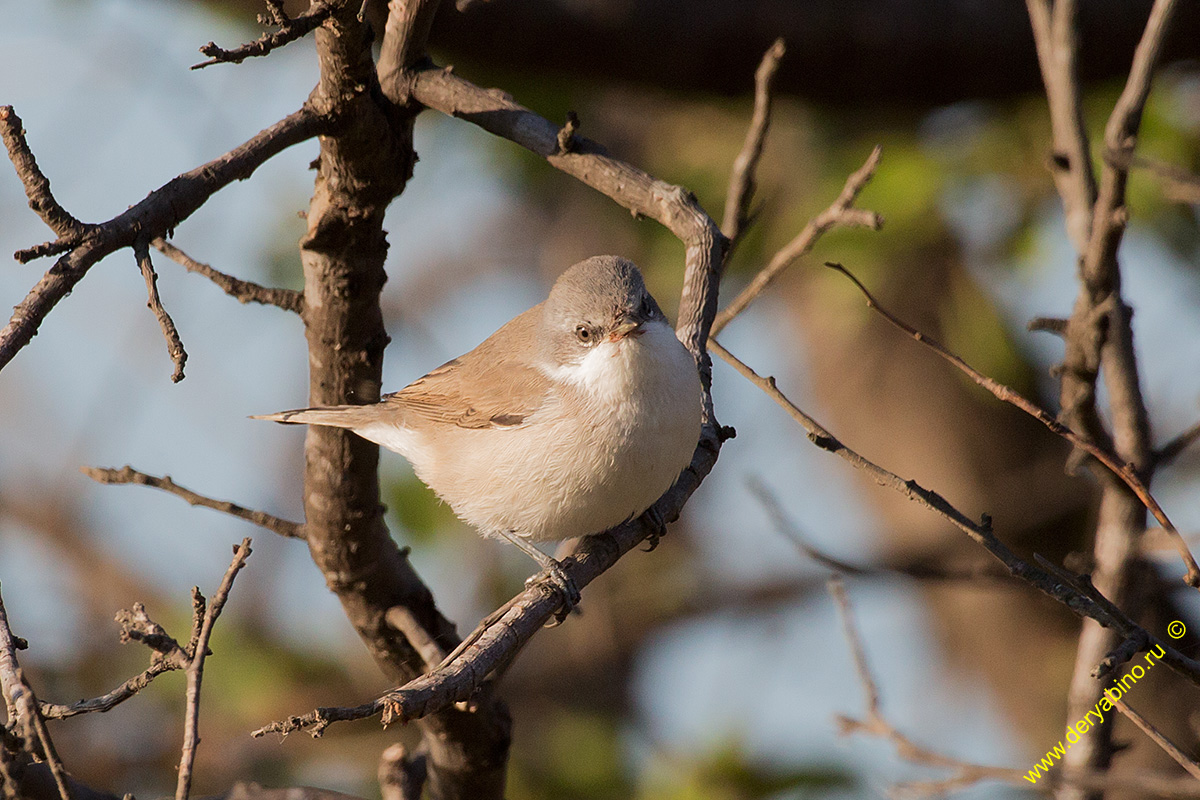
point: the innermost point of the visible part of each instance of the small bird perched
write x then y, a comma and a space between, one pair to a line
574, 417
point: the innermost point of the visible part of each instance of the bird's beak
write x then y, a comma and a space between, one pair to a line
627, 327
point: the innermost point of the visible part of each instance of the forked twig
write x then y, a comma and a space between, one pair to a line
840, 212
195, 668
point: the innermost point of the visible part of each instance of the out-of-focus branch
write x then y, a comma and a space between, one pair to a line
161, 211
243, 291
975, 574
1181, 758
290, 29
964, 773
741, 183
840, 212
24, 715
1171, 450
175, 349
129, 475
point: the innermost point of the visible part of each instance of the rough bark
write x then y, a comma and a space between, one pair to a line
360, 170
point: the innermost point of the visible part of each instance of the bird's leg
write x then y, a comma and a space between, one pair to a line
657, 525
552, 573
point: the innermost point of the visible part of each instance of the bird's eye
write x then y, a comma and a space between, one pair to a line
584, 334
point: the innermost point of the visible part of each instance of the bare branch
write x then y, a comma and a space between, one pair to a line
1099, 334
964, 773
129, 475
289, 31
1080, 597
841, 212
136, 625
402, 774
918, 571
741, 183
37, 185
163, 210
174, 345
1171, 450
1007, 395
1181, 758
195, 670
243, 291
1057, 46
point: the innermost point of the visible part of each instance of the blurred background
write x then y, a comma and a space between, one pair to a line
712, 668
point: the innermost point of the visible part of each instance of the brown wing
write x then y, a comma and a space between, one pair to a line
493, 386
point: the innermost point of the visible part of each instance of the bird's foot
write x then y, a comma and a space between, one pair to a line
555, 580
657, 525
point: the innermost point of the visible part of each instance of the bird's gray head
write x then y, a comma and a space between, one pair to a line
603, 298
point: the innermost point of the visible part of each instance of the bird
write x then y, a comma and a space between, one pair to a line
573, 417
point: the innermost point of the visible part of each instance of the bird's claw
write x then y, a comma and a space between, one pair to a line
555, 580
657, 525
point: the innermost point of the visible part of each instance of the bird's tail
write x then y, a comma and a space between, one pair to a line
332, 416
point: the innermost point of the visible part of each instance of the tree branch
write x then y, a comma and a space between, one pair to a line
964, 773
1099, 333
175, 349
1171, 450
840, 212
1078, 596
37, 185
1007, 395
195, 667
741, 183
289, 31
163, 210
1171, 749
917, 571
243, 291
129, 475
24, 715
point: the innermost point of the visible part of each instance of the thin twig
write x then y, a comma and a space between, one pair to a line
289, 31
178, 355
243, 291
917, 571
1007, 395
1084, 603
129, 475
742, 183
1181, 758
964, 773
195, 671
840, 212
1172, 449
